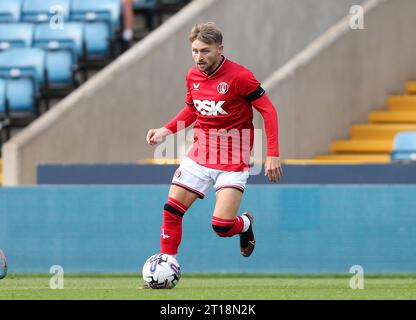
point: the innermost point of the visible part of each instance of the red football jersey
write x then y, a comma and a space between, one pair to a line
220, 102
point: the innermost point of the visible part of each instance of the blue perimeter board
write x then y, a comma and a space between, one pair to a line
299, 229
394, 173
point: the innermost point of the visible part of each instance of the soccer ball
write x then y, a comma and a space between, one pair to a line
3, 265
161, 271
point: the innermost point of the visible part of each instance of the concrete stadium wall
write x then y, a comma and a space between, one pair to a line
299, 229
342, 76
107, 118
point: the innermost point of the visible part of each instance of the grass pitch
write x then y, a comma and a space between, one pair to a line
209, 287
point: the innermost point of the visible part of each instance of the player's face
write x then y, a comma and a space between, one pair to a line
206, 56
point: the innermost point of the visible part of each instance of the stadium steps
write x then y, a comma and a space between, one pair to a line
373, 141
362, 146
378, 131
411, 87
402, 103
392, 117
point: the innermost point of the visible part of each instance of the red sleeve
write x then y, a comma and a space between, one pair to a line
187, 115
269, 114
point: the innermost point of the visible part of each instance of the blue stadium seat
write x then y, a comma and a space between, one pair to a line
64, 47
24, 70
10, 10
15, 35
404, 146
102, 17
43, 10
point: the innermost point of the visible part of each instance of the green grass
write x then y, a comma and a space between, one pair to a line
210, 287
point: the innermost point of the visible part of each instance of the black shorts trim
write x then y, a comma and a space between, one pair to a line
199, 194
230, 187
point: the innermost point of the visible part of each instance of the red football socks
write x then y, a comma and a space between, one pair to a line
227, 228
171, 231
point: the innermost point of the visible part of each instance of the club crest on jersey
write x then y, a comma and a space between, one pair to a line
223, 87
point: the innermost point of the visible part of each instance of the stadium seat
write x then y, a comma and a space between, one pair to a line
10, 10
44, 10
102, 17
15, 35
24, 71
404, 146
63, 47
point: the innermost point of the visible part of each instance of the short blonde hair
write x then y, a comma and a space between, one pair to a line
208, 33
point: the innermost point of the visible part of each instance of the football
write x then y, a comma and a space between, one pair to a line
3, 265
161, 271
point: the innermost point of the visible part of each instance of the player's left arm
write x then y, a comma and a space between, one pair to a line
272, 167
249, 87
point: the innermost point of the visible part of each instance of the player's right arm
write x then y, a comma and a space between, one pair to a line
183, 119
155, 135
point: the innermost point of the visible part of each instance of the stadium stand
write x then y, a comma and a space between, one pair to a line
301, 147
40, 11
374, 141
64, 48
25, 74
42, 61
16, 35
101, 18
10, 10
